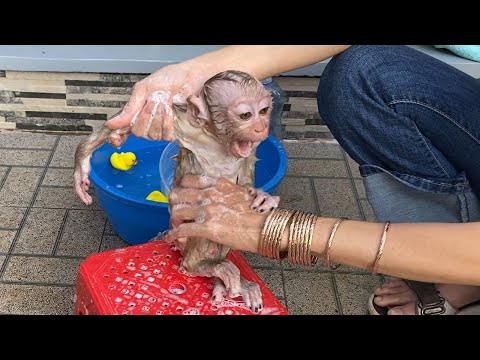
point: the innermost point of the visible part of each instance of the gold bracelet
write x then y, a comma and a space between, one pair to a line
262, 243
293, 238
277, 235
272, 232
381, 246
330, 241
309, 258
300, 238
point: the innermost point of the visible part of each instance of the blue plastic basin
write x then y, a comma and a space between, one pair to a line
122, 194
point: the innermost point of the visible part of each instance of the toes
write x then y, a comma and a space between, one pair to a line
218, 291
397, 285
246, 299
391, 290
256, 298
408, 309
394, 282
402, 298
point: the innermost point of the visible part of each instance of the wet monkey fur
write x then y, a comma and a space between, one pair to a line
218, 131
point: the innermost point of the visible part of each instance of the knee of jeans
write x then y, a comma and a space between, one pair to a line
347, 79
392, 200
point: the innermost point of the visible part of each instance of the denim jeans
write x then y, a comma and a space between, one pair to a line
412, 123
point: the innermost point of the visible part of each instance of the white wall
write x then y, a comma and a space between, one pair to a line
148, 58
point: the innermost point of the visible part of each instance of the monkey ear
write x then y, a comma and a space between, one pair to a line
197, 111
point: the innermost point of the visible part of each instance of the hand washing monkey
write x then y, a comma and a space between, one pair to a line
218, 132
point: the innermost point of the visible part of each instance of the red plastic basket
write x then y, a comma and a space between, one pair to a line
147, 280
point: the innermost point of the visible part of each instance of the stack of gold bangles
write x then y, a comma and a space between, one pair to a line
302, 227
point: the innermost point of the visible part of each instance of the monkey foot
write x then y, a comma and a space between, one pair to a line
250, 292
82, 184
263, 202
230, 275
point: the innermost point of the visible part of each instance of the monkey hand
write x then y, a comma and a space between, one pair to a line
81, 176
264, 202
149, 111
216, 209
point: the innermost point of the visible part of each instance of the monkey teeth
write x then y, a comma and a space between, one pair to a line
242, 148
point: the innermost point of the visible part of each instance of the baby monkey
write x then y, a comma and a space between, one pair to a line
218, 132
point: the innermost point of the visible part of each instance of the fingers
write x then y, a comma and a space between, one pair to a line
198, 181
134, 105
182, 213
191, 196
168, 124
157, 117
259, 199
186, 230
143, 121
270, 203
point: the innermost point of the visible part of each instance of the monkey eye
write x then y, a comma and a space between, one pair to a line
245, 116
263, 111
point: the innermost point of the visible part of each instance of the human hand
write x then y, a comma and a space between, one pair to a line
149, 111
216, 209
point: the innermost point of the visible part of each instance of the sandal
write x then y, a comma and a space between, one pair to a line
429, 302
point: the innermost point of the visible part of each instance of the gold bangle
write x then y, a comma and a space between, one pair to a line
302, 227
272, 232
281, 224
293, 238
309, 258
330, 241
381, 247
262, 244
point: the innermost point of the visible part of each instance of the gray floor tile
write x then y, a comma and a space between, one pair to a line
65, 152
112, 242
367, 210
309, 293
41, 269
19, 187
109, 230
3, 172
40, 231
27, 140
319, 266
36, 300
6, 239
62, 197
80, 239
360, 188
11, 217
2, 259
273, 280
312, 149
256, 260
297, 194
354, 291
317, 167
58, 177
354, 167
335, 198
24, 157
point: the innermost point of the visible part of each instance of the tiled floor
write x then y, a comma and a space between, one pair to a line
46, 232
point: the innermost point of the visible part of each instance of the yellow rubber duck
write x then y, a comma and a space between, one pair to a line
123, 160
157, 196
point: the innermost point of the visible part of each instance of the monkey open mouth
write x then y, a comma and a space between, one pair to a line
242, 148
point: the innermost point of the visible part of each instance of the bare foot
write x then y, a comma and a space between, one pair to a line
400, 299
396, 295
251, 293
